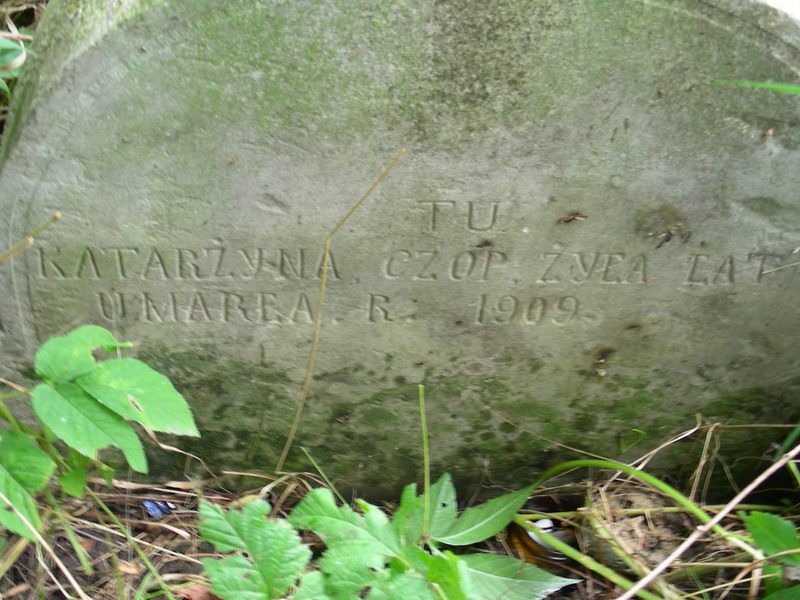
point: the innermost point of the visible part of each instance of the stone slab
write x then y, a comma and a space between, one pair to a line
587, 243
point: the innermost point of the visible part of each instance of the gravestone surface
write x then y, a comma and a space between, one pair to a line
587, 243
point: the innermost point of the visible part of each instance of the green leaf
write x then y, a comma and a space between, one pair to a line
784, 88
792, 593
402, 586
276, 555
24, 470
6, 44
407, 519
234, 578
773, 534
773, 578
135, 391
484, 521
73, 482
494, 576
312, 587
318, 512
62, 358
377, 524
222, 529
4, 87
445, 569
358, 547
86, 425
443, 506
106, 472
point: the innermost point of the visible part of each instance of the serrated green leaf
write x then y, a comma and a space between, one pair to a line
276, 555
407, 519
774, 534
234, 578
482, 522
24, 469
445, 569
443, 506
351, 568
318, 512
312, 587
402, 586
135, 391
63, 358
86, 425
494, 576
226, 529
377, 524
358, 547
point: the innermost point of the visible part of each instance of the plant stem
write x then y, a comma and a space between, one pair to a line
426, 463
83, 558
132, 541
6, 415
323, 284
27, 241
580, 513
328, 482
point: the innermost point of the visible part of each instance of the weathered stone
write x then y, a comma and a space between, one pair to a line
588, 242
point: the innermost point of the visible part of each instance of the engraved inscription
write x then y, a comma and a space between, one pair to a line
477, 216
215, 263
507, 308
596, 267
482, 278
436, 265
205, 306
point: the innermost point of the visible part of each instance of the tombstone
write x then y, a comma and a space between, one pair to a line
588, 242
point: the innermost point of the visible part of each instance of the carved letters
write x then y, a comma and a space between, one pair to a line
484, 284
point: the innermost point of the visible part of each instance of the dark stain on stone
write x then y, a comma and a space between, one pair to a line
485, 244
662, 224
604, 353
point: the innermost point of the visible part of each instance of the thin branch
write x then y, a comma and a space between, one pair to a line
312, 355
27, 241
706, 527
17, 37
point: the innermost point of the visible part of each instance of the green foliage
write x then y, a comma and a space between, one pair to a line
477, 523
24, 470
12, 57
276, 552
368, 553
783, 88
88, 406
775, 535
